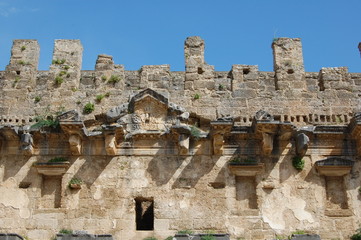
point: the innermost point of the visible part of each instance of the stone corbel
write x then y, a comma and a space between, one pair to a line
113, 135
27, 144
218, 129
73, 127
302, 141
267, 143
183, 144
110, 144
355, 130
182, 133
218, 141
270, 131
75, 144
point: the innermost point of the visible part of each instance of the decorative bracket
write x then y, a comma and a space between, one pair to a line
75, 144
218, 129
112, 135
269, 129
72, 126
302, 141
355, 130
26, 141
183, 132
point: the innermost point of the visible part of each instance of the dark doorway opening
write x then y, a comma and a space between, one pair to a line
144, 210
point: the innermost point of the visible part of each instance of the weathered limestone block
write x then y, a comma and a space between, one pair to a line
336, 78
218, 142
66, 64
104, 62
183, 133
75, 144
194, 51
183, 144
23, 65
155, 76
355, 129
27, 143
242, 73
110, 144
104, 70
197, 71
288, 63
117, 112
267, 143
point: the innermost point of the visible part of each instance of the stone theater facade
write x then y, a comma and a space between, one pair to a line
153, 152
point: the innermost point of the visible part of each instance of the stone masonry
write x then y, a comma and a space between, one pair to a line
136, 154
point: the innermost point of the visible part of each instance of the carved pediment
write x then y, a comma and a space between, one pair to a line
148, 111
149, 114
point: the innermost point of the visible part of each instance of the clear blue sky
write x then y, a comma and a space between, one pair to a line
151, 32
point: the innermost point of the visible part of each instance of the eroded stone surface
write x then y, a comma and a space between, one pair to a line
168, 137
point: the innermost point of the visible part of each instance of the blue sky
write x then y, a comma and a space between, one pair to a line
151, 32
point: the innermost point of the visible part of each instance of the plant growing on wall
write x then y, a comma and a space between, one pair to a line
59, 80
57, 160
196, 96
88, 108
58, 61
114, 79
75, 183
195, 132
37, 99
66, 231
99, 97
235, 160
357, 235
45, 121
23, 48
298, 163
208, 237
17, 79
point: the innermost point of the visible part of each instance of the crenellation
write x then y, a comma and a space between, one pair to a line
288, 63
23, 65
65, 68
335, 78
199, 75
197, 149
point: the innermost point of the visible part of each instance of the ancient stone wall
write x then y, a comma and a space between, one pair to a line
253, 154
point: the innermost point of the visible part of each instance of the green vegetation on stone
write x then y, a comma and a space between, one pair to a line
298, 163
89, 108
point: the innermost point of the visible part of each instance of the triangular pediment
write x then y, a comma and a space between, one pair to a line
148, 110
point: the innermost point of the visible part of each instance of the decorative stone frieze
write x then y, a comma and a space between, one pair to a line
154, 155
